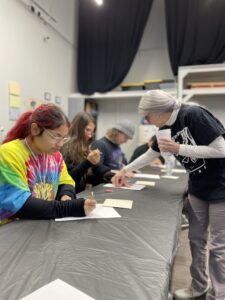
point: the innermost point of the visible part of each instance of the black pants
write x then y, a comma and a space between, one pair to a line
38, 209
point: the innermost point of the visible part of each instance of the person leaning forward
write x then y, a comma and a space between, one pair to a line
198, 144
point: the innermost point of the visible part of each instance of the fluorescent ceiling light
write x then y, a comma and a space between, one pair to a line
99, 2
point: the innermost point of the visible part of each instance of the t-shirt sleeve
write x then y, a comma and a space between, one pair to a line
65, 178
14, 189
204, 127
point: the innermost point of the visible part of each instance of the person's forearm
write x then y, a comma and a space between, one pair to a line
141, 161
214, 150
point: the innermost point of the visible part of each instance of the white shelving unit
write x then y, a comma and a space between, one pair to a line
116, 94
201, 73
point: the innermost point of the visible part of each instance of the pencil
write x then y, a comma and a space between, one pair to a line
93, 197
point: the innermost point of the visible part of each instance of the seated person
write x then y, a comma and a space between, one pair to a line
76, 152
143, 148
112, 157
34, 182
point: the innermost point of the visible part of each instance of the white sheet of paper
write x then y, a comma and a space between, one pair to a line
169, 177
100, 212
135, 187
57, 290
176, 171
147, 176
149, 183
121, 203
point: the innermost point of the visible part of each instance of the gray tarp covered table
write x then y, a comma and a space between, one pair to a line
128, 258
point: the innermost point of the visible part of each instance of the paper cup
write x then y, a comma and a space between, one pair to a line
164, 134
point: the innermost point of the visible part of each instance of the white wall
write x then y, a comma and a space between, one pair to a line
38, 66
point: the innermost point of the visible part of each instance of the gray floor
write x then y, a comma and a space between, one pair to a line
180, 276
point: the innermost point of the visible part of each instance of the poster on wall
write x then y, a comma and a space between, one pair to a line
14, 113
14, 88
14, 100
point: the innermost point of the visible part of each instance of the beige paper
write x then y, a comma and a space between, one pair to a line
170, 177
149, 183
118, 203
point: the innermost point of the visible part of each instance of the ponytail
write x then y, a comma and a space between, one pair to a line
46, 116
21, 129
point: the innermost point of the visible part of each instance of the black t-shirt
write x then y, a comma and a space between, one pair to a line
197, 126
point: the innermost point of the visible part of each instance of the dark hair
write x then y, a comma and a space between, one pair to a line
47, 116
77, 147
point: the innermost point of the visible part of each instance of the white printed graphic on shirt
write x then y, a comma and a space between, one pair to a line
191, 164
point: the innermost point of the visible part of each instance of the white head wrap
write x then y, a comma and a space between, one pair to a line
157, 100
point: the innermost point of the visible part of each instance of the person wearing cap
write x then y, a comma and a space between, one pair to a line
112, 157
198, 144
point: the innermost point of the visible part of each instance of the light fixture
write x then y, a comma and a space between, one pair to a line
99, 2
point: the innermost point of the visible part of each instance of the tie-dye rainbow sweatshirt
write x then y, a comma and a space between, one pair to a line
22, 176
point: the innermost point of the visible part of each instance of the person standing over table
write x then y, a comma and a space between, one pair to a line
34, 182
198, 143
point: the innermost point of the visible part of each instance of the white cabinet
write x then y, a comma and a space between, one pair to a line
196, 74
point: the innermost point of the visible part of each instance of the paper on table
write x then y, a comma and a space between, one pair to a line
99, 212
121, 203
57, 290
135, 187
143, 175
176, 171
149, 183
169, 177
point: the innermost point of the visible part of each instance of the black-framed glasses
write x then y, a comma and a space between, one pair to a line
57, 139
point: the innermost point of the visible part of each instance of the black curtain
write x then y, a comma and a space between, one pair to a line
108, 39
195, 32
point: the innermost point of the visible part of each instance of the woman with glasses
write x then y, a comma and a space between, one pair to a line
76, 152
34, 182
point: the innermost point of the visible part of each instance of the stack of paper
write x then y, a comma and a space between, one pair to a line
146, 176
170, 177
118, 203
149, 183
176, 171
134, 187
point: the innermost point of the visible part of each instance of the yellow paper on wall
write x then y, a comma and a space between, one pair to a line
14, 101
14, 88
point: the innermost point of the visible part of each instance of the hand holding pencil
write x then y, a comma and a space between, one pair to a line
94, 156
89, 204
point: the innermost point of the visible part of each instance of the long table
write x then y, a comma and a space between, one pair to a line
128, 258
